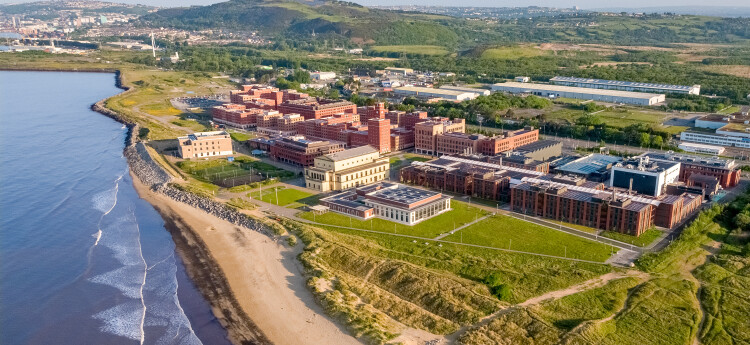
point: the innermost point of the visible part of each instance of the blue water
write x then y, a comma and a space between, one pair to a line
83, 260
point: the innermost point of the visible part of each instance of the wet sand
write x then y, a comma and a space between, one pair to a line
255, 284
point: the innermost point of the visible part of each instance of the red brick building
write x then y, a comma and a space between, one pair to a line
606, 210
725, 171
376, 111
316, 108
406, 120
379, 134
301, 152
235, 115
507, 141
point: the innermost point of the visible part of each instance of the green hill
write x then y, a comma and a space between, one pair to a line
360, 24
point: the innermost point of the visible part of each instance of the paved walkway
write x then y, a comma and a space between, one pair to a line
462, 227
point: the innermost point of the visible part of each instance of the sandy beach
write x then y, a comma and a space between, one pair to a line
255, 285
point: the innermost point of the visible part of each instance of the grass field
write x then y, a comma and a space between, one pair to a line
285, 195
149, 95
412, 49
394, 161
508, 232
641, 241
621, 117
430, 228
416, 158
512, 53
163, 108
237, 136
192, 124
217, 169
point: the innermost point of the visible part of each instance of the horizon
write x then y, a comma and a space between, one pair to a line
593, 5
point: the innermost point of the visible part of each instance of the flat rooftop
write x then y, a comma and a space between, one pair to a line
589, 164
535, 146
403, 194
647, 165
433, 91
351, 153
623, 83
692, 159
528, 87
203, 135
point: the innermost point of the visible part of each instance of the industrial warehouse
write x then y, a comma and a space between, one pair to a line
428, 93
557, 91
625, 85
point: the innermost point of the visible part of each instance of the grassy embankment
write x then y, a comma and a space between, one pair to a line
497, 231
641, 241
373, 280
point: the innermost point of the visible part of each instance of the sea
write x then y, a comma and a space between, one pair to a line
83, 260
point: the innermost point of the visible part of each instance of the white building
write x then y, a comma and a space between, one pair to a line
625, 85
556, 91
428, 92
716, 139
701, 148
522, 79
483, 92
322, 75
644, 176
390, 83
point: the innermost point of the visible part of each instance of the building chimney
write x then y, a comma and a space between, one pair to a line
630, 189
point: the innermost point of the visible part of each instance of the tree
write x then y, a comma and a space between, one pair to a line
657, 141
645, 139
742, 220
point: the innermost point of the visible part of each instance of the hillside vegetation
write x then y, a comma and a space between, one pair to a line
358, 24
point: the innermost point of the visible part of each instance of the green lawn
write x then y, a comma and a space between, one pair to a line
217, 169
508, 232
213, 169
412, 49
237, 136
730, 110
192, 124
620, 117
512, 53
430, 228
413, 157
394, 161
641, 241
285, 195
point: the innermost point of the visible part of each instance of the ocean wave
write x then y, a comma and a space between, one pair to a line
123, 320
107, 200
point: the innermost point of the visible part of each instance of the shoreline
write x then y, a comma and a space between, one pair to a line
205, 273
255, 285
201, 268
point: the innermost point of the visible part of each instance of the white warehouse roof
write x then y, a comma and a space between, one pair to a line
583, 90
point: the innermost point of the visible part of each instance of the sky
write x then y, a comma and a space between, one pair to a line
584, 4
